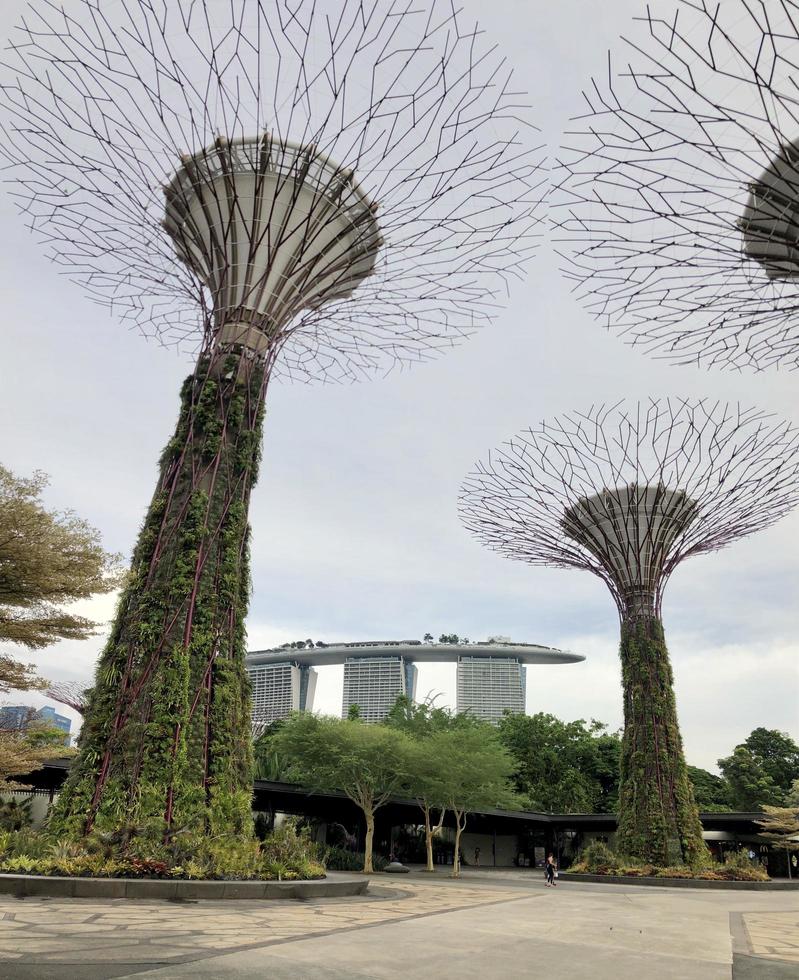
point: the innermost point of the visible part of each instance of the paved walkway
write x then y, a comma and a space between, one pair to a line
487, 925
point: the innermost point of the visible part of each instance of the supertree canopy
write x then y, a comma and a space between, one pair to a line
677, 192
317, 188
627, 493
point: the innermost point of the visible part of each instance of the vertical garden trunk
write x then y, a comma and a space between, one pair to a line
165, 745
658, 817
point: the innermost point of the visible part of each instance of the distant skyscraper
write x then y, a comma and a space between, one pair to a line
15, 717
375, 683
280, 688
18, 717
488, 686
51, 717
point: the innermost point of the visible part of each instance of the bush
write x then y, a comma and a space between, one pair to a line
341, 859
598, 858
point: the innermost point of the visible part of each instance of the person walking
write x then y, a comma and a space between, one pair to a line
550, 871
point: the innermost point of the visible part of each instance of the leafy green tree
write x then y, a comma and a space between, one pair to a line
749, 785
24, 748
369, 763
778, 756
711, 792
780, 826
476, 774
566, 767
428, 769
48, 559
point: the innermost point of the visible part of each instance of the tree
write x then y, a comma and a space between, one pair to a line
368, 763
780, 826
476, 774
710, 791
567, 767
24, 748
47, 559
749, 785
428, 769
778, 756
427, 638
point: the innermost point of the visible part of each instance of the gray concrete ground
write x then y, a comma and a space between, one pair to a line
490, 924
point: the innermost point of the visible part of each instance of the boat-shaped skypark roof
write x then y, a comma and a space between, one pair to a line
414, 650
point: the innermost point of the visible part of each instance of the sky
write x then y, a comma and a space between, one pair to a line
355, 529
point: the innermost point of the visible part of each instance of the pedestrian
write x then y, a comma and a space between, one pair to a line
551, 871
477, 857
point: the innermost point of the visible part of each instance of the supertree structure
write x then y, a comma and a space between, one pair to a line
317, 188
677, 191
628, 493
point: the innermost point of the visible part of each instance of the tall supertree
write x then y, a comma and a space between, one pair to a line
628, 494
677, 191
322, 189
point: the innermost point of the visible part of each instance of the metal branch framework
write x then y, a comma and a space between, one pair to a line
676, 197
74, 694
400, 104
627, 493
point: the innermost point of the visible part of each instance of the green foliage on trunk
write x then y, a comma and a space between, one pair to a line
658, 816
165, 745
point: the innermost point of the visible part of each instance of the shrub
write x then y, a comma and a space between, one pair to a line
597, 857
342, 859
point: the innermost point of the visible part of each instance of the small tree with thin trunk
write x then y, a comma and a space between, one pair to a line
429, 783
780, 826
368, 763
476, 774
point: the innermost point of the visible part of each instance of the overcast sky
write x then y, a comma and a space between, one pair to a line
355, 530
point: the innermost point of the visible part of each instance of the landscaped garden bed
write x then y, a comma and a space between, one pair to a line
598, 862
287, 854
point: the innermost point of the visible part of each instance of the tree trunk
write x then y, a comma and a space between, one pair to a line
658, 817
459, 827
369, 814
429, 833
165, 744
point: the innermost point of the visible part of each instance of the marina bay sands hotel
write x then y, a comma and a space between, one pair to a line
491, 676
